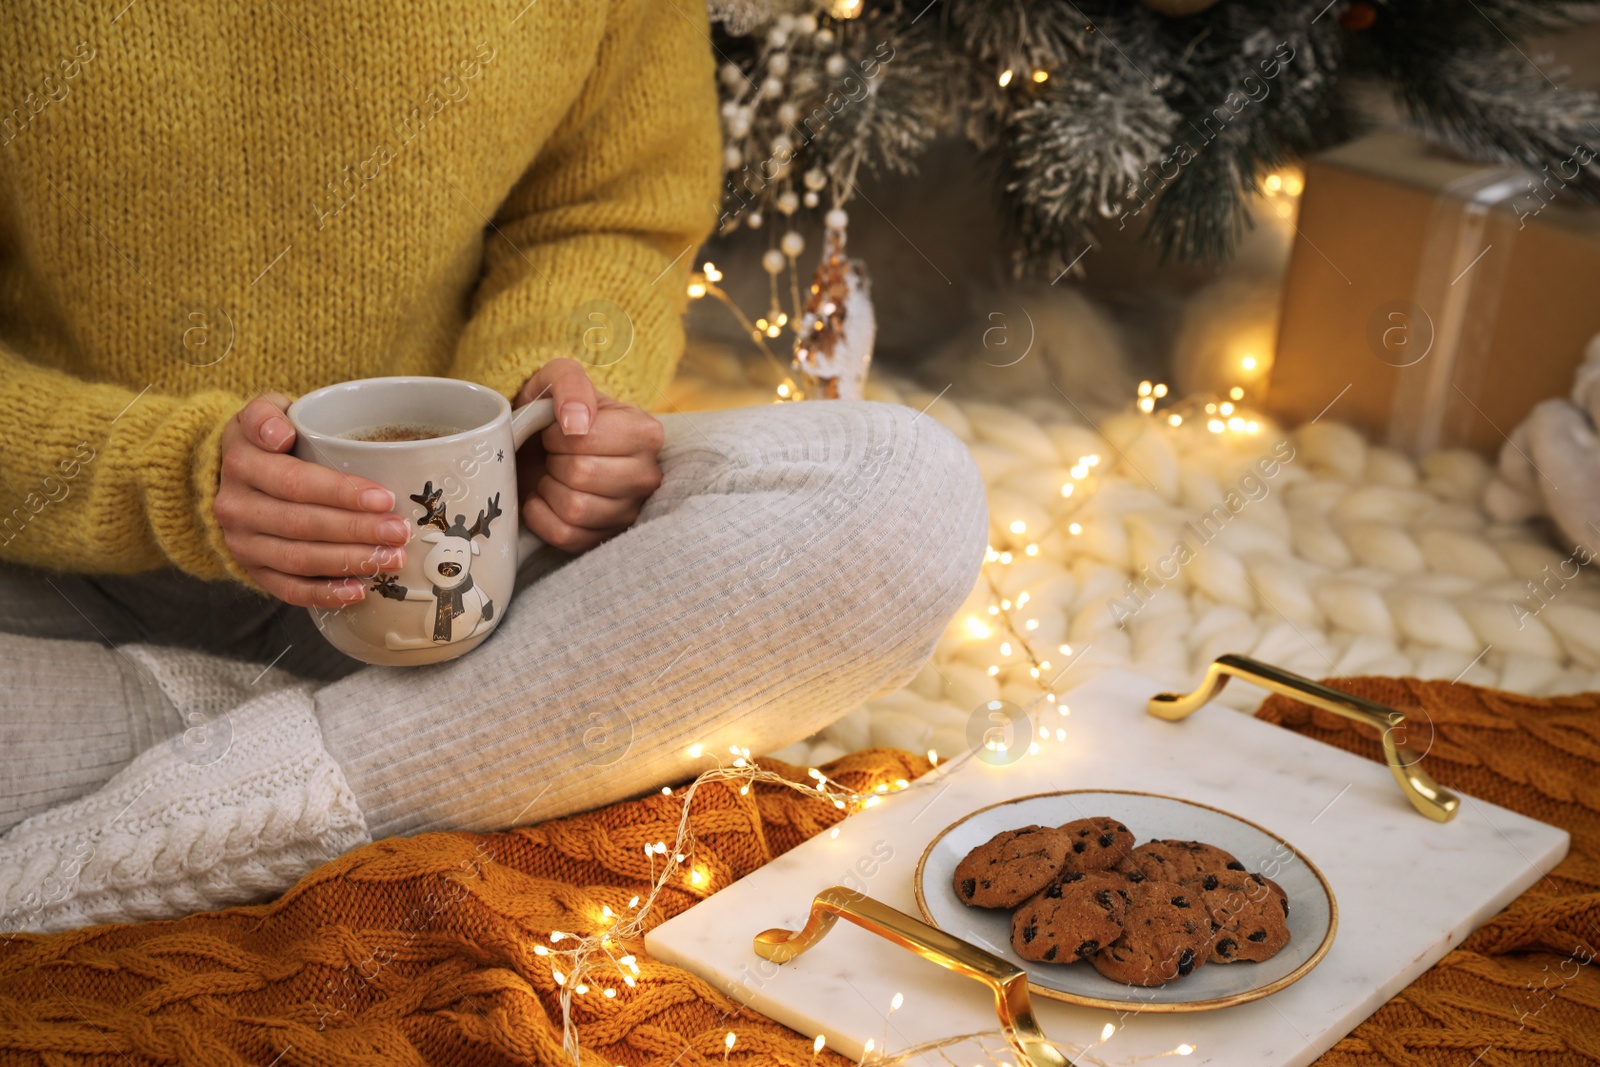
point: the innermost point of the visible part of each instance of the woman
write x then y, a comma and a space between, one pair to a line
210, 208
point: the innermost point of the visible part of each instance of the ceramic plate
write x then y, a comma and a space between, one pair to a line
1313, 915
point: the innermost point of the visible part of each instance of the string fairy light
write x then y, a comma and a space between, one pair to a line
581, 960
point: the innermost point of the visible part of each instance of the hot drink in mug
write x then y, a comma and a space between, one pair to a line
446, 449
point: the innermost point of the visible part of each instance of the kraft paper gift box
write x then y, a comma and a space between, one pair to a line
1432, 302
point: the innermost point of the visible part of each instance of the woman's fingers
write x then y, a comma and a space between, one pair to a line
320, 559
294, 480
310, 592
260, 513
618, 430
568, 386
587, 511
265, 424
614, 476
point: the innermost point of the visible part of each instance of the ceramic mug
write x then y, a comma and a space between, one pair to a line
455, 481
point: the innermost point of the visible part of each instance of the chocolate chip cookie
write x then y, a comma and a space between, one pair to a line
1070, 918
1160, 942
1181, 861
1250, 914
1011, 867
1098, 843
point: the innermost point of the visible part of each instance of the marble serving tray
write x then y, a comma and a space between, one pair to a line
1408, 889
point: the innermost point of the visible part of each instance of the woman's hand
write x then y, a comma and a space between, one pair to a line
296, 527
597, 465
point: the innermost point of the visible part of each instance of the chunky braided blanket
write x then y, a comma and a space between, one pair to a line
1349, 559
421, 950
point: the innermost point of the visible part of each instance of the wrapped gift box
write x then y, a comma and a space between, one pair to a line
1433, 302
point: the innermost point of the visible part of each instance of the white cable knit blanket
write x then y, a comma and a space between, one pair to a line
1347, 559
234, 810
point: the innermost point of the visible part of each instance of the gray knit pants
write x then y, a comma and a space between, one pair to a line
796, 560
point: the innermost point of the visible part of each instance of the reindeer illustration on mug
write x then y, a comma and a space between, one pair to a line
461, 610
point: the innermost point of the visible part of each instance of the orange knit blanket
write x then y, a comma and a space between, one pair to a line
422, 950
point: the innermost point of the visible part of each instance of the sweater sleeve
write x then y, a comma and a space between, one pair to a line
101, 479
600, 232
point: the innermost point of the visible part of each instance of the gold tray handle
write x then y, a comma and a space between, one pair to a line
1008, 982
1426, 795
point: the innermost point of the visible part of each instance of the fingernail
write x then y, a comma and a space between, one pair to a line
574, 419
389, 557
275, 432
350, 591
393, 530
377, 499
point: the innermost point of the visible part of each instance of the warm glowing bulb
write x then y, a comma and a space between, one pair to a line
711, 272
783, 390
899, 999
993, 671
1144, 388
1092, 460
1066, 489
976, 627
816, 1046
730, 1039
1005, 648
1175, 420
1215, 426
1074, 529
1005, 78
1031, 624
1273, 183
1041, 75
1252, 426
1147, 405
1226, 408
1236, 393
696, 290
1160, 390
1294, 185
1184, 1050
1248, 363
1236, 424
1065, 650
1107, 1030
1019, 527
696, 751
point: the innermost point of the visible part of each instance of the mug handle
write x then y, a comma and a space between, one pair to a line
526, 421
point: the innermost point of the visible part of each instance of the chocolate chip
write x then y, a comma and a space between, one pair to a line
1102, 897
1180, 902
1259, 936
1158, 857
1185, 961
1256, 878
1135, 877
1029, 932
1072, 876
1053, 891
1285, 902
1121, 828
1087, 949
1210, 882
1235, 865
1050, 954
988, 884
969, 886
1227, 947
1105, 840
1078, 846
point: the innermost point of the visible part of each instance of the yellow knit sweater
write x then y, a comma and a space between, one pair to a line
205, 200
